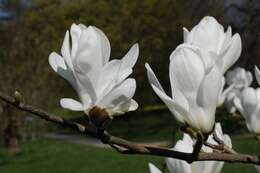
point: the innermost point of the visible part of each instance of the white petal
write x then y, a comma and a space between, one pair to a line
65, 50
207, 34
129, 60
249, 102
127, 63
178, 110
257, 75
86, 89
58, 65
122, 108
175, 165
184, 145
222, 96
231, 55
178, 166
186, 72
106, 49
119, 95
185, 34
227, 40
207, 98
107, 79
133, 105
71, 104
238, 104
89, 59
75, 32
207, 167
153, 169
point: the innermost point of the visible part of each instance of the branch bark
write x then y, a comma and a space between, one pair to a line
127, 147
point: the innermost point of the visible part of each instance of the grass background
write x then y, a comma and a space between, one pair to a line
52, 156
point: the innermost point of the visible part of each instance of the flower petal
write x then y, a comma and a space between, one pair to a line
207, 97
207, 34
231, 55
119, 95
88, 59
153, 169
179, 111
65, 50
71, 104
185, 34
175, 165
186, 72
257, 75
129, 60
58, 65
75, 32
107, 79
106, 49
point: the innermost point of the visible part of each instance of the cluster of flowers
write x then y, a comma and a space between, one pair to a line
196, 72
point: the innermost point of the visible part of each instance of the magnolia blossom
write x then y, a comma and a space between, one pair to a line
239, 78
186, 145
195, 88
249, 106
236, 80
98, 82
196, 69
220, 46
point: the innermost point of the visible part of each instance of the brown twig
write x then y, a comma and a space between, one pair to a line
128, 147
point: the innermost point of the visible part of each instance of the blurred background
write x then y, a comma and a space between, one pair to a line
31, 29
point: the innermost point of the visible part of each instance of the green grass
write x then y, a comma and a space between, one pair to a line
51, 156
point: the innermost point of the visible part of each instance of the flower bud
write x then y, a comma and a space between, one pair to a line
99, 117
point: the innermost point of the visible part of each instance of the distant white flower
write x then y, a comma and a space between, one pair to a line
249, 106
186, 145
221, 46
99, 82
236, 79
239, 77
153, 169
195, 88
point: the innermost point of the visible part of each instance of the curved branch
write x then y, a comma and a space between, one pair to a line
128, 147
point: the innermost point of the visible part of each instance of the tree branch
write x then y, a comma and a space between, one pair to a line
128, 147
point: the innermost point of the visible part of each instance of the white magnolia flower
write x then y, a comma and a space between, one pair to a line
239, 78
153, 169
195, 88
236, 80
249, 106
186, 145
221, 46
99, 82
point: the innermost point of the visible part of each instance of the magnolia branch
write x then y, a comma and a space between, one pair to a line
127, 147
